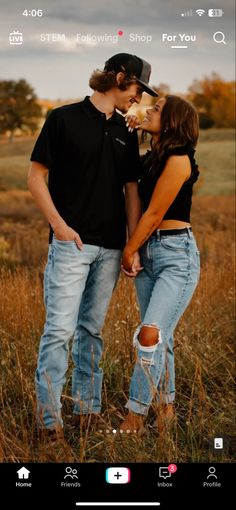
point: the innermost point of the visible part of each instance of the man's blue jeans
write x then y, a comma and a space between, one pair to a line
165, 287
78, 285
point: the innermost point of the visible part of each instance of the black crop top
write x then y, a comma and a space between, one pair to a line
181, 206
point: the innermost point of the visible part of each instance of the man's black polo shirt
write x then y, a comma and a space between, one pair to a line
89, 159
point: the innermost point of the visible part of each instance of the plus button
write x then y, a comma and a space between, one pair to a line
117, 475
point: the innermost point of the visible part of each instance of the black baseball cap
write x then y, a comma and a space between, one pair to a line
133, 66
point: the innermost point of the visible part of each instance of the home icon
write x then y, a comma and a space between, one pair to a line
23, 473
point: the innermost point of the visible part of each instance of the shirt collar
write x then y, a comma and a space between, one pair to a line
92, 111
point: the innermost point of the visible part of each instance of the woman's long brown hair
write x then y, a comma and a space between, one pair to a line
179, 126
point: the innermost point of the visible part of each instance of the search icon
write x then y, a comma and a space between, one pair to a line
219, 37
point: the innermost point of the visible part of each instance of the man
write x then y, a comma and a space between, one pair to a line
90, 158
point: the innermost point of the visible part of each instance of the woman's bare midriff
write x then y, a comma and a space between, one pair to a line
169, 224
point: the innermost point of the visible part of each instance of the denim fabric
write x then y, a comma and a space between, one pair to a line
78, 285
164, 287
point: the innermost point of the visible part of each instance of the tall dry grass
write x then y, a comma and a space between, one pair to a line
204, 351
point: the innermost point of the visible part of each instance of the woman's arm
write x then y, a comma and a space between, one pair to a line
175, 173
133, 213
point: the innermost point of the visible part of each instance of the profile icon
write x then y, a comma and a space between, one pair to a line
212, 471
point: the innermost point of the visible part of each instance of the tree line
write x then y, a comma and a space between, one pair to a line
213, 97
19, 108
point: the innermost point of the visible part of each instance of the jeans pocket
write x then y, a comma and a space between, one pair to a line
62, 241
175, 243
64, 249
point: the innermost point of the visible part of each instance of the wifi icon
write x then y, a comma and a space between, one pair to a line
200, 12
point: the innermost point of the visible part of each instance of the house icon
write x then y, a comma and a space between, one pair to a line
23, 473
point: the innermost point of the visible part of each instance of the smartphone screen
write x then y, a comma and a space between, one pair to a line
117, 370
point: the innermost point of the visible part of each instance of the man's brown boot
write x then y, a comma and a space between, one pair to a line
52, 445
133, 424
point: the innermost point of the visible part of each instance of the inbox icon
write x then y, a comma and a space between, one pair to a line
117, 475
164, 472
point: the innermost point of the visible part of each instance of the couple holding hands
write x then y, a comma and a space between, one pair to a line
110, 210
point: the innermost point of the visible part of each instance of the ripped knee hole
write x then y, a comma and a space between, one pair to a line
149, 335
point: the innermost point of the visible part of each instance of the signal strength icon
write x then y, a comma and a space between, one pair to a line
187, 13
200, 12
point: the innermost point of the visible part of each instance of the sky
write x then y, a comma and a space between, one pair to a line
88, 32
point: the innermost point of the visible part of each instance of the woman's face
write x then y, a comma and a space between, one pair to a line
152, 120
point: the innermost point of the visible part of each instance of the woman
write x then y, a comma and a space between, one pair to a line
168, 251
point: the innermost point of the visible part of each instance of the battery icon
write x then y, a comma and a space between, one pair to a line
215, 13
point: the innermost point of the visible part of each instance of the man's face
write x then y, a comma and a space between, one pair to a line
125, 98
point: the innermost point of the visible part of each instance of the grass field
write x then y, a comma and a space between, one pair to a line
216, 158
204, 340
215, 155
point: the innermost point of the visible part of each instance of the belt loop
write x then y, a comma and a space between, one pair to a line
189, 232
158, 234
